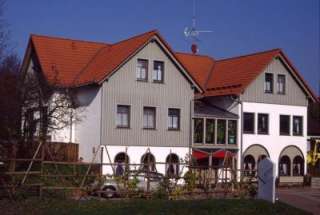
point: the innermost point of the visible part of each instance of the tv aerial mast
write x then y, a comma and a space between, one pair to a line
193, 33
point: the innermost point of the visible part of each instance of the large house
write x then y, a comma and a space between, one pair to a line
144, 103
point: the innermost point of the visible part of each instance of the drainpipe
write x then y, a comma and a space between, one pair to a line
190, 129
101, 112
241, 135
238, 100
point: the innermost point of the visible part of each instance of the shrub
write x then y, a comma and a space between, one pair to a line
190, 180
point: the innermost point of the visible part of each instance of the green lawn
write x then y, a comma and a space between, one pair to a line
130, 207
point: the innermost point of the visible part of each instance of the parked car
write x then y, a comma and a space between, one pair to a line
112, 187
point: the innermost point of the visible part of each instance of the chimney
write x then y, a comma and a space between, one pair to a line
194, 48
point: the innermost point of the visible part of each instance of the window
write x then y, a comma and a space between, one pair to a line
198, 130
297, 125
173, 119
148, 162
149, 117
284, 166
298, 166
249, 165
281, 84
30, 124
210, 130
284, 125
221, 131
121, 163
123, 116
232, 132
263, 123
158, 70
142, 70
172, 166
248, 123
268, 83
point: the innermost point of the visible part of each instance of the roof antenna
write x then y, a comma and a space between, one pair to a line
193, 33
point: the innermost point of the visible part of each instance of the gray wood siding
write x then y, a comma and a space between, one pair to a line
294, 94
123, 88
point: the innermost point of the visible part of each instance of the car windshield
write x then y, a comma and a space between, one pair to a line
141, 175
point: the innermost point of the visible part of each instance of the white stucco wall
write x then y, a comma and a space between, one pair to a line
135, 154
274, 142
87, 130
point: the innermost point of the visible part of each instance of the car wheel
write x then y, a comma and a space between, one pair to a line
109, 192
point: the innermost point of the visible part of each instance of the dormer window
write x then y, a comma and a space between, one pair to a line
281, 82
158, 70
142, 70
268, 83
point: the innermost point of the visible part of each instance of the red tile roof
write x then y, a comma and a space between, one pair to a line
199, 66
110, 57
233, 75
72, 63
62, 59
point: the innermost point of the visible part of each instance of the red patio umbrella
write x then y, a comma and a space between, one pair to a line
222, 154
217, 154
199, 154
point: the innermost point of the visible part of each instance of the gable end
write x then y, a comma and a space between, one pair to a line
294, 92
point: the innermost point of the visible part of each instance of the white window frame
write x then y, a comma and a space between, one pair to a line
281, 86
120, 117
293, 125
147, 116
140, 70
270, 91
171, 117
158, 73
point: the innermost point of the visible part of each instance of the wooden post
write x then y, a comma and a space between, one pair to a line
210, 170
148, 172
30, 165
89, 167
110, 161
41, 171
126, 172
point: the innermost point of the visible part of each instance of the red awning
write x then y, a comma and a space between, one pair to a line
217, 154
222, 154
199, 154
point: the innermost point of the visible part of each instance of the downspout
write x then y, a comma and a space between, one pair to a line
100, 145
190, 128
241, 130
241, 136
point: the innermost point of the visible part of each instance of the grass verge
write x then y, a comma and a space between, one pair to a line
131, 207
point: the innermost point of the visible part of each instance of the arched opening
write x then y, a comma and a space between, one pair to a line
148, 162
172, 165
249, 165
121, 161
298, 166
284, 166
291, 163
258, 152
